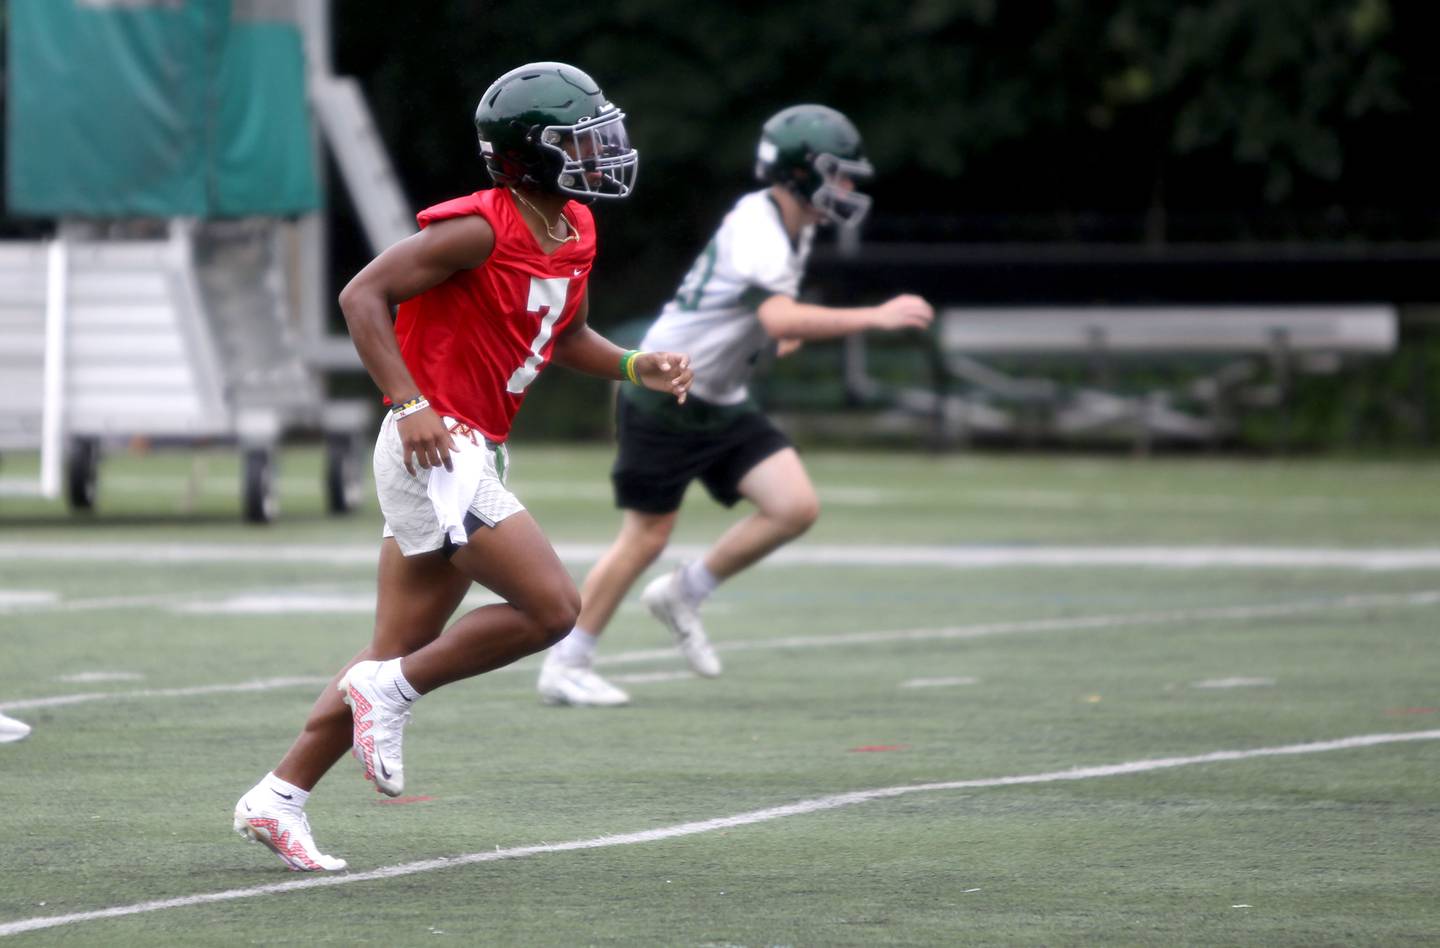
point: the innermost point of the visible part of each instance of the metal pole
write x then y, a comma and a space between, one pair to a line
52, 417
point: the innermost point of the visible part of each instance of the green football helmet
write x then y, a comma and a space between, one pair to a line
548, 127
816, 153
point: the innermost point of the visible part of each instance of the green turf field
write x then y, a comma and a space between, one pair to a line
949, 624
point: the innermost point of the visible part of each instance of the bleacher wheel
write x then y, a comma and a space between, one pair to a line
82, 472
259, 503
344, 487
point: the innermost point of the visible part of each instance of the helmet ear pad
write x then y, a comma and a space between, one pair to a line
531, 167
803, 182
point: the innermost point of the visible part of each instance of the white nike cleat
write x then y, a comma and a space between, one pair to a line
665, 601
12, 730
379, 728
577, 686
285, 832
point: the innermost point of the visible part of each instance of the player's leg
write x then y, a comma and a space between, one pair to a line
761, 466
415, 596
786, 505
568, 676
654, 465
514, 559
642, 538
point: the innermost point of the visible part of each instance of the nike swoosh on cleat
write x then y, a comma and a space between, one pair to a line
381, 761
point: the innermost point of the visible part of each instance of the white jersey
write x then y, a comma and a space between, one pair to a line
713, 315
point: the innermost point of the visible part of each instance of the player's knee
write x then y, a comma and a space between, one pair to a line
798, 515
650, 542
648, 539
557, 617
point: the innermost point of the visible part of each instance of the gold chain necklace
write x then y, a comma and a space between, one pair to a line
548, 229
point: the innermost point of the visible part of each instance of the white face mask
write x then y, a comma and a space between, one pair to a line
597, 159
836, 198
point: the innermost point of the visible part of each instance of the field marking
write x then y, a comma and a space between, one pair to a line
939, 682
1427, 597
260, 684
10, 598
807, 554
97, 677
1422, 598
1237, 682
799, 808
648, 678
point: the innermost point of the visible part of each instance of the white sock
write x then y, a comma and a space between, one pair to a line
697, 582
393, 685
577, 648
277, 792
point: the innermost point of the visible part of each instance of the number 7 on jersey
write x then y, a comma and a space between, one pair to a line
547, 300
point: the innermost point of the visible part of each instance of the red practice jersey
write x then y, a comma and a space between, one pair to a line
476, 342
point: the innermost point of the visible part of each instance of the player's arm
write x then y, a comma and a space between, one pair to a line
582, 349
403, 270
785, 317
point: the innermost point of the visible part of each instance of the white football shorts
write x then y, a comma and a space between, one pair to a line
423, 509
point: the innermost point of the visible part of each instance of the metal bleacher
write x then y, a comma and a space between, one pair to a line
1060, 372
182, 329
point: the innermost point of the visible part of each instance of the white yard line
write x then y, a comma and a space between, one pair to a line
979, 630
939, 682
260, 684
804, 554
18, 598
799, 808
1429, 597
648, 678
1238, 682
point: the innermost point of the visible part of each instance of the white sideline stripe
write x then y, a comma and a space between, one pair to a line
809, 554
939, 682
799, 808
646, 678
640, 656
1233, 683
1427, 597
95, 677
261, 684
287, 602
259, 602
57, 604
26, 597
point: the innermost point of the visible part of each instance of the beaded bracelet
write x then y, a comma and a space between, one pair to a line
410, 406
627, 365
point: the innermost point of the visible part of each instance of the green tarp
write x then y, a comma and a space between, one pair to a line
122, 108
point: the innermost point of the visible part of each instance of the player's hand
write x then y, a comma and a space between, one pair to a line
424, 435
905, 311
665, 372
787, 347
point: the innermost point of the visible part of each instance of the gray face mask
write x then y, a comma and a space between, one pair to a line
836, 198
597, 159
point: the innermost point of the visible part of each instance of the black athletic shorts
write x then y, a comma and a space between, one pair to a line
665, 445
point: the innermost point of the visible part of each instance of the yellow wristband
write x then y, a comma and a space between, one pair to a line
627, 365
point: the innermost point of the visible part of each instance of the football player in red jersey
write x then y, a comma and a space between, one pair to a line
491, 290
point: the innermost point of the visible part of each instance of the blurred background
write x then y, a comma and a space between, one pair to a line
1147, 225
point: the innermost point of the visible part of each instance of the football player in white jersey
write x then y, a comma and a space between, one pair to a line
738, 300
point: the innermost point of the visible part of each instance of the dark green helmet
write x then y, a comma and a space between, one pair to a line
816, 152
547, 126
